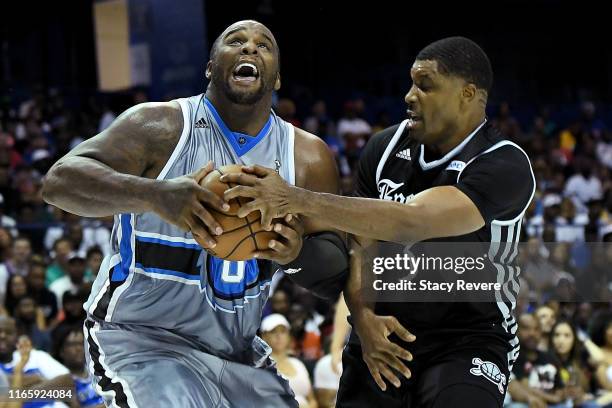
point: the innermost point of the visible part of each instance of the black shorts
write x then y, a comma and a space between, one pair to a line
466, 374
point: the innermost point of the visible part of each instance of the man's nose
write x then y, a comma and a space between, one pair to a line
249, 47
410, 97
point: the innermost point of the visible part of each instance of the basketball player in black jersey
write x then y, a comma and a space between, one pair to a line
445, 173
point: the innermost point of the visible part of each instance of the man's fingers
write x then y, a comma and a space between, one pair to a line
388, 374
295, 223
266, 219
286, 232
395, 326
204, 238
397, 364
203, 172
207, 219
400, 352
277, 246
248, 208
257, 170
375, 373
240, 191
239, 178
212, 200
268, 254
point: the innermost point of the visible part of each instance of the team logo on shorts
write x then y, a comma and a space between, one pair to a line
490, 371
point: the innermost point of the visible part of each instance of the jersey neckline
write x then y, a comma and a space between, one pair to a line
240, 142
433, 164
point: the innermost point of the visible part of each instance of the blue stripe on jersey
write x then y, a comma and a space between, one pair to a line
121, 271
166, 242
240, 142
168, 272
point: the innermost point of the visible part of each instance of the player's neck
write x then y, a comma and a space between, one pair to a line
248, 119
460, 134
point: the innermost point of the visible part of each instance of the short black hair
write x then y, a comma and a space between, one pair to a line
461, 57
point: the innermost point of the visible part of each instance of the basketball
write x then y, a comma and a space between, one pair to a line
241, 236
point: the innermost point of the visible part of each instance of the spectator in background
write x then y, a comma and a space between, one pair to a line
604, 149
40, 365
567, 349
319, 123
506, 123
569, 226
546, 318
19, 261
6, 221
16, 288
72, 355
6, 244
353, 131
583, 186
536, 377
285, 108
73, 315
94, 259
280, 302
30, 322
62, 248
275, 331
327, 381
84, 233
45, 299
73, 282
602, 337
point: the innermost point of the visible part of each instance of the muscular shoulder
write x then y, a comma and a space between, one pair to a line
314, 162
139, 141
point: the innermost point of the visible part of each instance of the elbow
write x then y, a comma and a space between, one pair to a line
51, 186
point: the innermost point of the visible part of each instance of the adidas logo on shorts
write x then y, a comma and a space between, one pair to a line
404, 154
201, 123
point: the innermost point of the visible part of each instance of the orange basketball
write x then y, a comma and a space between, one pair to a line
241, 236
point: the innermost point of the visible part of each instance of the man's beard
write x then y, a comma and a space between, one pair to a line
241, 98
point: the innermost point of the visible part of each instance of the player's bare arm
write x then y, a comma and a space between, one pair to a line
114, 172
437, 212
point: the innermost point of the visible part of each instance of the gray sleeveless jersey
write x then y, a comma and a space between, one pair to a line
158, 276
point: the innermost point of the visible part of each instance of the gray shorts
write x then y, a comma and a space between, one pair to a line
141, 367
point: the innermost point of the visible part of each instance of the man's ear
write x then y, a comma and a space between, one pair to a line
469, 92
277, 84
208, 72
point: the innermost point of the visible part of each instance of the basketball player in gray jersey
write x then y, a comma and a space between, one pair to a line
168, 324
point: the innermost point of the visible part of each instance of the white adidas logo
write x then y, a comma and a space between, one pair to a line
404, 154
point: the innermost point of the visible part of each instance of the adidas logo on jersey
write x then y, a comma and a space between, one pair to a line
201, 123
404, 154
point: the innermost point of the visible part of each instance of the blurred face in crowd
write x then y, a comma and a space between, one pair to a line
94, 261
245, 42
436, 103
75, 233
280, 302
62, 250
73, 351
36, 277
26, 310
74, 309
563, 339
21, 250
560, 254
18, 286
76, 270
529, 332
546, 317
5, 239
8, 338
278, 338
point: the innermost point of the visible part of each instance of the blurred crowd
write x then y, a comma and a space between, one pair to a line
49, 258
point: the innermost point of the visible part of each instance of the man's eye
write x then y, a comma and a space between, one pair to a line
264, 45
235, 42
